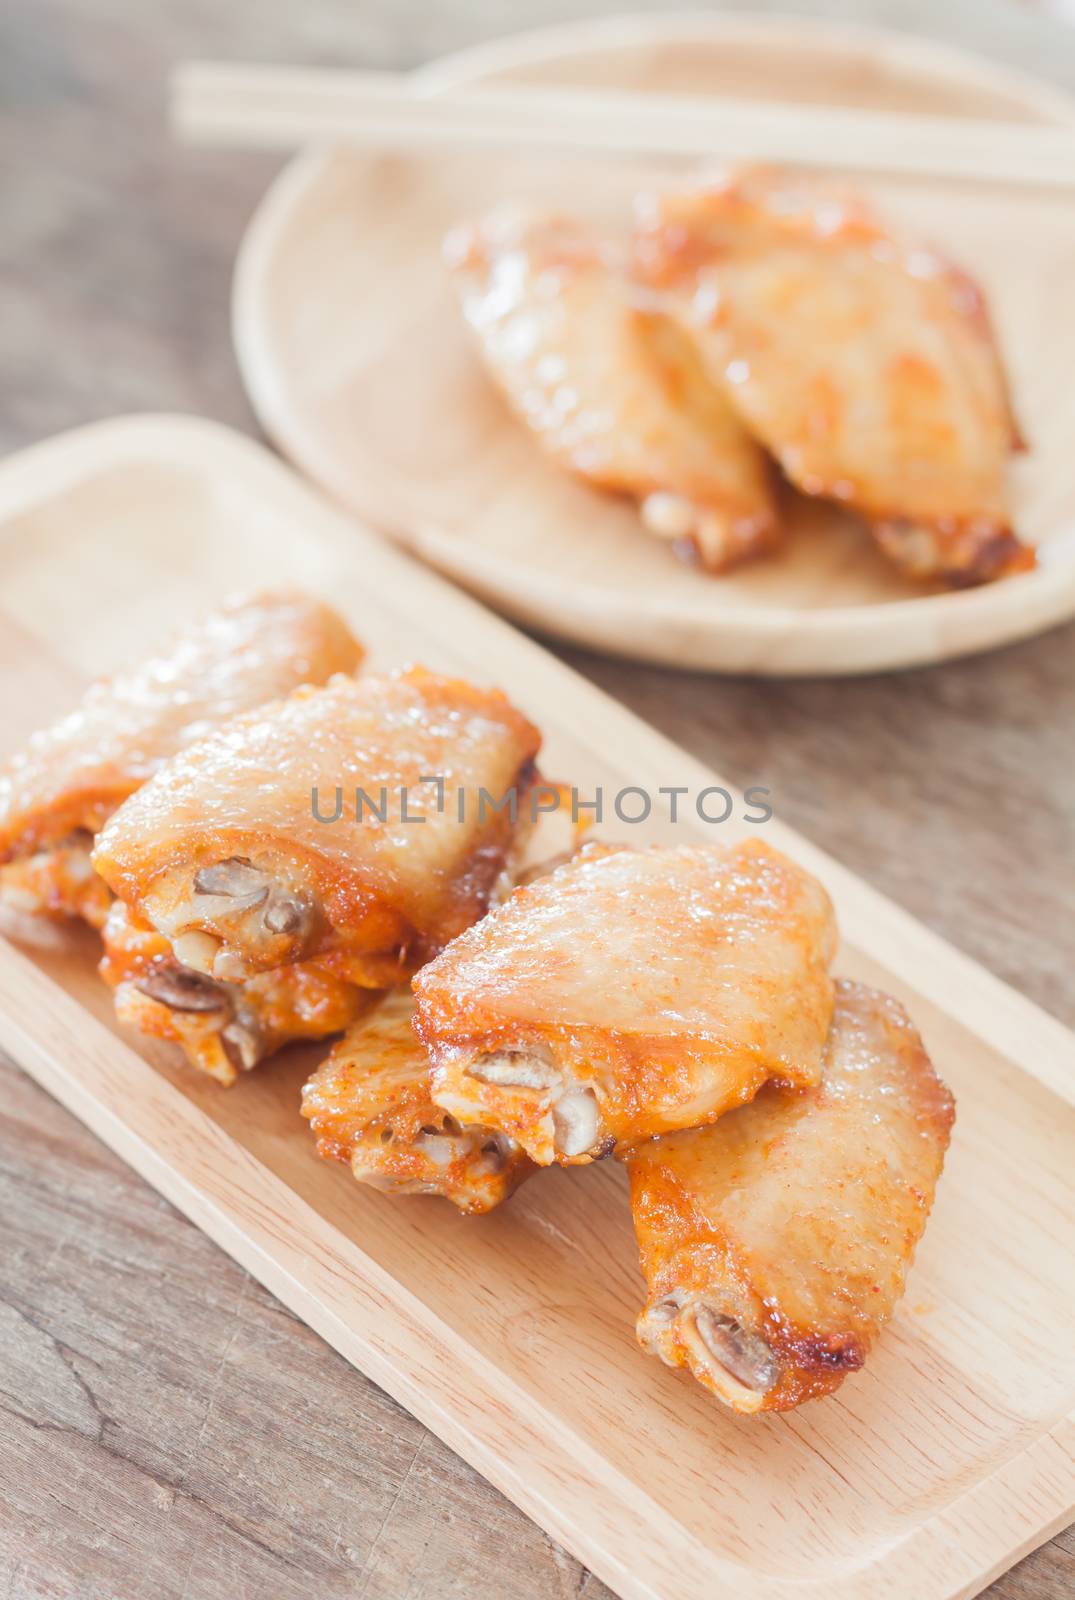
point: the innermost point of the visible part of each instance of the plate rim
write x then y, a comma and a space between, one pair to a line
886, 635
915, 50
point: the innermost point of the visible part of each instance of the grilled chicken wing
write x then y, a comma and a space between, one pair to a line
613, 389
866, 366
628, 993
222, 1028
355, 824
775, 1244
369, 1105
58, 793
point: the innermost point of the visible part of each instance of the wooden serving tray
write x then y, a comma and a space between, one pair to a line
356, 359
512, 1336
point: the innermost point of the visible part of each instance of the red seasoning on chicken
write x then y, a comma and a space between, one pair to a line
57, 793
369, 1105
362, 825
628, 993
866, 365
775, 1244
612, 388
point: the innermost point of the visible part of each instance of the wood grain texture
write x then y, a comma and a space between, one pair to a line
510, 1342
950, 789
248, 106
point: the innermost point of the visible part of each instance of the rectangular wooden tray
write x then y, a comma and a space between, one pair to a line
512, 1336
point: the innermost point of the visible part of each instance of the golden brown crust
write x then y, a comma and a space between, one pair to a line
793, 1221
867, 366
58, 881
960, 553
611, 387
359, 821
72, 777
369, 1105
628, 993
222, 1029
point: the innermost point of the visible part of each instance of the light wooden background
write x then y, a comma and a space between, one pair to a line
169, 1432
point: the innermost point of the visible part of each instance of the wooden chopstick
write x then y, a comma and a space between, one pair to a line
285, 107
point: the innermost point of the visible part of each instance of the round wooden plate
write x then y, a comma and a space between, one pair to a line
360, 368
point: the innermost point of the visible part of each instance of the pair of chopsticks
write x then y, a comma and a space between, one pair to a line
282, 108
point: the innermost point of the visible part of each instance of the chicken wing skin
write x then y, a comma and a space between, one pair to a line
57, 881
613, 389
369, 1105
356, 825
867, 366
57, 793
630, 992
223, 1029
776, 1243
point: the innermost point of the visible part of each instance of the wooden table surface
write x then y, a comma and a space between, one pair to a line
169, 1431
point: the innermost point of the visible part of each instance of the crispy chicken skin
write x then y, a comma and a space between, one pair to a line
223, 1029
345, 824
612, 387
775, 1244
628, 993
57, 881
369, 1105
57, 793
867, 366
